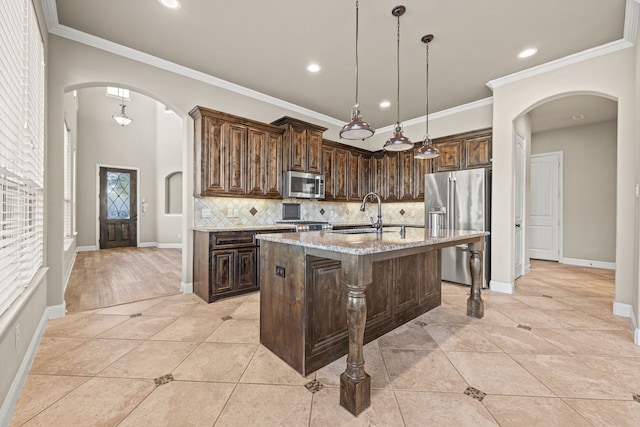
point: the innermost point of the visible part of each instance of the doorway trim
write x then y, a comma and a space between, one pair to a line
101, 165
560, 165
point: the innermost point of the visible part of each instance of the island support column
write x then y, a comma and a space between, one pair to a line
355, 383
475, 305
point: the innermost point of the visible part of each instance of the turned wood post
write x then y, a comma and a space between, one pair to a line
475, 305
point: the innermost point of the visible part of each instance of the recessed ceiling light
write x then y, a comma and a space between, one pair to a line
577, 116
527, 53
385, 104
171, 4
313, 68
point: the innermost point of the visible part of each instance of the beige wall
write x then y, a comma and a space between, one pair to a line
589, 196
102, 142
611, 75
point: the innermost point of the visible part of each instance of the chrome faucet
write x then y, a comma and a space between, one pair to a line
377, 225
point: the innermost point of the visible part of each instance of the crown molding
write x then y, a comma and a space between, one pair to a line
90, 40
595, 52
631, 15
440, 114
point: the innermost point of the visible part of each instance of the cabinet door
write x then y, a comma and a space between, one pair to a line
365, 183
297, 149
420, 168
392, 177
256, 161
378, 172
213, 163
354, 175
478, 152
314, 152
406, 270
222, 262
340, 174
328, 166
405, 178
236, 147
450, 155
273, 165
246, 271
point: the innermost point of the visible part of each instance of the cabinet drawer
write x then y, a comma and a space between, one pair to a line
229, 239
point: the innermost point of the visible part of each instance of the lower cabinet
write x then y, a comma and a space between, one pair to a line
314, 304
225, 264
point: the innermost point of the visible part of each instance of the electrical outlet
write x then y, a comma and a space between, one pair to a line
280, 271
229, 212
18, 337
235, 213
206, 213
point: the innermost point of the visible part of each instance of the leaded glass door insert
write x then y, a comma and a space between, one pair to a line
118, 208
118, 195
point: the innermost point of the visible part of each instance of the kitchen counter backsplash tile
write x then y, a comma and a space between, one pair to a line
265, 211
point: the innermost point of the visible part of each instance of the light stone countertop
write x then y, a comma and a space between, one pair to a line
370, 243
267, 227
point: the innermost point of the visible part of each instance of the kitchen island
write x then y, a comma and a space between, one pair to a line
314, 284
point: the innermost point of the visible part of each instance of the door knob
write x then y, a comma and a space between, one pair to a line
518, 225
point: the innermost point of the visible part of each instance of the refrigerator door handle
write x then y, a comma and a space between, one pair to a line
452, 202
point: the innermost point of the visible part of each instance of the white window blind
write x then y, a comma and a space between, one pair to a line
21, 148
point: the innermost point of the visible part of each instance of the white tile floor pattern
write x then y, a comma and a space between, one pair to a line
552, 354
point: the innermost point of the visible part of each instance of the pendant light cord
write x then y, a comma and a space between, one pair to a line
426, 117
357, 13
398, 71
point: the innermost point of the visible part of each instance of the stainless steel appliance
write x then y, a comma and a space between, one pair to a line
461, 200
302, 185
308, 225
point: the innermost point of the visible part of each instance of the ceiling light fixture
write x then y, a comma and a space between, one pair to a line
313, 68
527, 53
427, 151
171, 4
122, 118
356, 128
398, 142
385, 104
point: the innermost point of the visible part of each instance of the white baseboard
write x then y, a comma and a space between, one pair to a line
624, 310
11, 400
169, 245
67, 275
186, 288
148, 244
588, 263
636, 329
506, 288
86, 248
56, 311
527, 269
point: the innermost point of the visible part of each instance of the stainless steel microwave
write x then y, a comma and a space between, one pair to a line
302, 185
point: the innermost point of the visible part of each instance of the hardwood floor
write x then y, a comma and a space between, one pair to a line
121, 275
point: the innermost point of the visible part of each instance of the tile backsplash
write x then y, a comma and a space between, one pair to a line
266, 211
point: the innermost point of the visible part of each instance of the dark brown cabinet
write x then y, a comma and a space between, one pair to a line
391, 177
341, 174
378, 174
302, 145
235, 156
402, 289
464, 151
420, 169
328, 170
405, 175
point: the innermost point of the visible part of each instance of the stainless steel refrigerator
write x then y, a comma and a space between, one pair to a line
464, 200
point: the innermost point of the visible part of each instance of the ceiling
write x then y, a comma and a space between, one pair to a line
266, 45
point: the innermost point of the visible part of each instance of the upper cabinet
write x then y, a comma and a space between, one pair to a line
235, 156
302, 145
464, 151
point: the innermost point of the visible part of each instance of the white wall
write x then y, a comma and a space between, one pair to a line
101, 141
589, 196
611, 75
168, 160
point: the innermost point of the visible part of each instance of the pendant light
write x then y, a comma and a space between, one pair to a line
356, 128
427, 151
398, 142
122, 118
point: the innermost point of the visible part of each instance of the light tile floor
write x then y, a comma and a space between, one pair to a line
551, 354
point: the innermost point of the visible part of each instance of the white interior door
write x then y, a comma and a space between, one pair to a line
520, 154
545, 206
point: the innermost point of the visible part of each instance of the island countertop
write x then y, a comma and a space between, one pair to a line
370, 242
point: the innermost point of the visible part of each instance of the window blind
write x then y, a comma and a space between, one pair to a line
21, 148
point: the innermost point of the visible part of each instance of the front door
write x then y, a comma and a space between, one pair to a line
118, 208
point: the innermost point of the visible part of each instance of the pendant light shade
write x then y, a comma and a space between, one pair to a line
122, 118
398, 142
356, 128
427, 151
